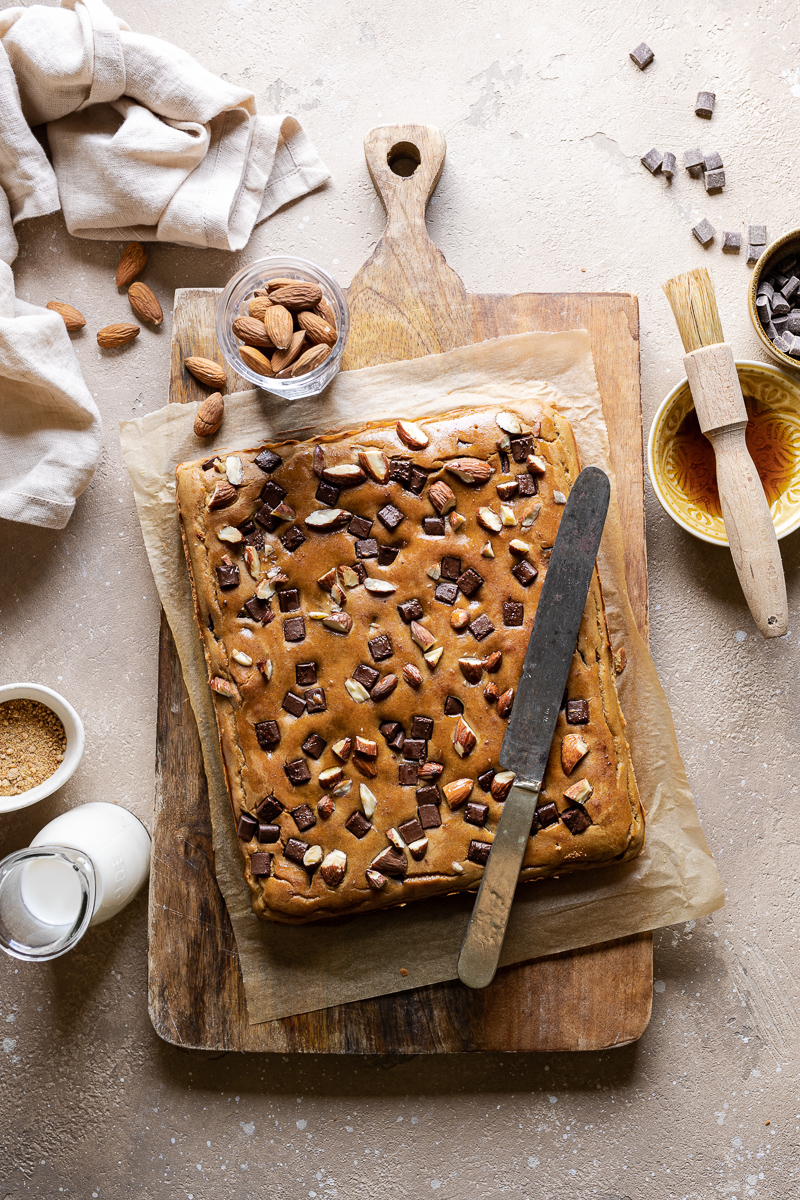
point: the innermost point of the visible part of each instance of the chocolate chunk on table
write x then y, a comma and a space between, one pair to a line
479, 852
306, 674
267, 461
358, 825
297, 772
268, 734
703, 231
577, 712
652, 160
295, 850
260, 864
669, 164
642, 56
294, 629
303, 817
314, 745
754, 254
714, 180
693, 160
704, 104
757, 235
712, 161
247, 827
731, 241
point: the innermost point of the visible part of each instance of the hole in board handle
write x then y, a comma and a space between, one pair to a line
403, 159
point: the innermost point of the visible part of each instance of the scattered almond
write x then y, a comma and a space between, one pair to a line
412, 435
119, 334
69, 315
131, 264
579, 792
209, 415
573, 749
471, 470
207, 371
458, 791
375, 463
501, 785
223, 495
412, 675
442, 497
144, 303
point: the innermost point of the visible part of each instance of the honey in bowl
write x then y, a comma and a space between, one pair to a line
770, 442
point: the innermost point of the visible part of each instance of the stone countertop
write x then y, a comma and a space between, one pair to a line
545, 118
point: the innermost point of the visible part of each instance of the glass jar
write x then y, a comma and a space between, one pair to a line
234, 302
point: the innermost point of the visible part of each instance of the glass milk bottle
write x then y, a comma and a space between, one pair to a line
80, 870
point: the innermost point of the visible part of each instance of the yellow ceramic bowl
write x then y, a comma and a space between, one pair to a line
775, 396
788, 244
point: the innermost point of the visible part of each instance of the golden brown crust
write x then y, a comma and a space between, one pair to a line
293, 892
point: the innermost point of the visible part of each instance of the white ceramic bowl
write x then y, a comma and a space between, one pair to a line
73, 728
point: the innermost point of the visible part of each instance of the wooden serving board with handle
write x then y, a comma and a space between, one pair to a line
405, 302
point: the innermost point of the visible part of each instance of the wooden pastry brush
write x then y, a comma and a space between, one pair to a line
720, 409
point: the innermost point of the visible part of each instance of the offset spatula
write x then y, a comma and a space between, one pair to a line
526, 745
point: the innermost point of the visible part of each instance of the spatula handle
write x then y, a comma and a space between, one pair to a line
717, 397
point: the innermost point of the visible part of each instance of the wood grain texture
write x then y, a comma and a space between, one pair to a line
585, 1000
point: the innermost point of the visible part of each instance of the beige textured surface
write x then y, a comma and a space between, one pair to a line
545, 118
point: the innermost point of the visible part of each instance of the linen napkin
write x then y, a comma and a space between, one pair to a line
146, 143
50, 432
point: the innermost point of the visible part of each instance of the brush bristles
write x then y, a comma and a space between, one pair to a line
694, 305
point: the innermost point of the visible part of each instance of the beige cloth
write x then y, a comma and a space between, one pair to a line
147, 145
146, 142
292, 969
50, 432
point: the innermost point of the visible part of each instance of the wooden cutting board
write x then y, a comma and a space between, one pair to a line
405, 302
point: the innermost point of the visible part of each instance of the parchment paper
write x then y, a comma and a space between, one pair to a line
294, 969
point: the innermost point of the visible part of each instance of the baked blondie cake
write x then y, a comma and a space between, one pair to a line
365, 601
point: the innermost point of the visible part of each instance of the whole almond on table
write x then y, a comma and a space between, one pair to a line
207, 371
255, 360
70, 316
252, 332
297, 295
120, 334
209, 415
318, 330
279, 325
145, 304
131, 265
